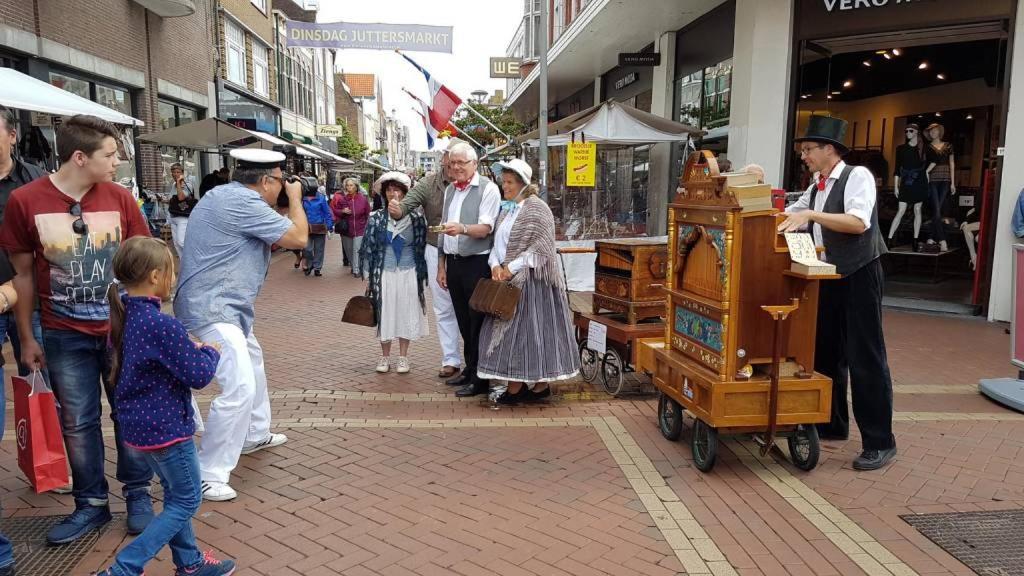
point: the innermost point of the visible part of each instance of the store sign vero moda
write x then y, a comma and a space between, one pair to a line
841, 5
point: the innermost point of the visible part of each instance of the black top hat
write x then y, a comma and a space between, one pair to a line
826, 130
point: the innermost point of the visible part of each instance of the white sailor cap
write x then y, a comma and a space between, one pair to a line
257, 158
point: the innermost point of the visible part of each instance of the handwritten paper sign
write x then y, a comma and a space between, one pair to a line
597, 335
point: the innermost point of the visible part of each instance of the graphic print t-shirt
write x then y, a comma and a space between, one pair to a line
72, 271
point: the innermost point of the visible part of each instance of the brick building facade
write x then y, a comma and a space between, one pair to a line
347, 108
117, 51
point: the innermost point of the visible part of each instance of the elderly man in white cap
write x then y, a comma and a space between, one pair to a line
230, 234
428, 194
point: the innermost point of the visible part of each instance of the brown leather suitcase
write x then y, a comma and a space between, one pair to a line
359, 311
494, 298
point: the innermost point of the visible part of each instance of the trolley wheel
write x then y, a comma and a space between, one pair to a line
590, 364
611, 372
804, 447
670, 417
704, 444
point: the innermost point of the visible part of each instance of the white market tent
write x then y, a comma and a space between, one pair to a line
202, 134
24, 92
613, 123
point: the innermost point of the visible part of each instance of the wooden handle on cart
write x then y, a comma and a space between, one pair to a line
572, 250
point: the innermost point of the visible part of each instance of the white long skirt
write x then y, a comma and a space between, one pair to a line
401, 315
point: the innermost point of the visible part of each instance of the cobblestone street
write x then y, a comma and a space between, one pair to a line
394, 475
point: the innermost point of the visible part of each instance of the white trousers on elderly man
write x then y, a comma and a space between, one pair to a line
240, 415
178, 226
447, 325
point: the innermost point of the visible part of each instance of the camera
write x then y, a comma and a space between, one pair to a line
309, 184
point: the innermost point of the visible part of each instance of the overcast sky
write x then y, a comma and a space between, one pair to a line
481, 29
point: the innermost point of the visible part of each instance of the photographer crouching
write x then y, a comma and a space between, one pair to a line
230, 234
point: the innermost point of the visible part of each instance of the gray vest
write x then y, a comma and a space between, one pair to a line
469, 215
849, 252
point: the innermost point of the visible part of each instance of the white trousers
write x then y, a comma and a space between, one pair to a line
240, 415
447, 325
178, 225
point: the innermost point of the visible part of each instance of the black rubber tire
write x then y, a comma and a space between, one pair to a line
590, 364
704, 445
670, 417
611, 372
804, 447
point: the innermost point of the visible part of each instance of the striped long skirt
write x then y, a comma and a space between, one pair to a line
536, 345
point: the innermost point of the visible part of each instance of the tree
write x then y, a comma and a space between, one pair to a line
484, 134
348, 145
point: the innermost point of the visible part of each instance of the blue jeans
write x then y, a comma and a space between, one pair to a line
9, 329
314, 253
178, 469
77, 363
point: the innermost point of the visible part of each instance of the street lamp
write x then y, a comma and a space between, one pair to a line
479, 95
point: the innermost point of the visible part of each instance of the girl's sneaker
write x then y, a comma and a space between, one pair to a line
384, 364
403, 365
210, 566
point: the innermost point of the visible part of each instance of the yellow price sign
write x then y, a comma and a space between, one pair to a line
581, 168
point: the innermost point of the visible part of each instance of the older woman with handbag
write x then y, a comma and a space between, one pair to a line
351, 210
394, 261
536, 346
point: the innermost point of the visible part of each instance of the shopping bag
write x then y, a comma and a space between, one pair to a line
40, 441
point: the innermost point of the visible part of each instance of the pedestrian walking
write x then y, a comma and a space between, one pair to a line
351, 210
54, 228
394, 263
318, 214
182, 201
153, 368
8, 297
536, 345
231, 232
428, 196
840, 210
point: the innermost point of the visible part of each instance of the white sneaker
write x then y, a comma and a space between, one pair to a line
269, 442
218, 492
403, 365
384, 364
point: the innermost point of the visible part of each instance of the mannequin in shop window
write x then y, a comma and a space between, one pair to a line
911, 180
970, 228
940, 183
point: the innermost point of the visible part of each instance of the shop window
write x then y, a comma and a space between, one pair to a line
186, 115
76, 86
260, 70
235, 39
260, 4
166, 111
114, 98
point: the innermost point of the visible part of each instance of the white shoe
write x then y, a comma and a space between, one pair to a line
269, 442
218, 492
384, 364
943, 246
403, 365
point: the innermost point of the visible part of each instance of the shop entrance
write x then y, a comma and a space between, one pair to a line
924, 109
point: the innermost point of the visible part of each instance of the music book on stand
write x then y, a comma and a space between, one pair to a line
805, 256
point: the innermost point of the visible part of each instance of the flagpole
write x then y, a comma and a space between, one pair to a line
460, 131
542, 117
482, 117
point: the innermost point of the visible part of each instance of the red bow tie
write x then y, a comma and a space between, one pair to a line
821, 183
460, 186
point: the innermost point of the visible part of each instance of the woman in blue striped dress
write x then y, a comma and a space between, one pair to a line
536, 346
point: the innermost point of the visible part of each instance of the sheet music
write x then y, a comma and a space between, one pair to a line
801, 248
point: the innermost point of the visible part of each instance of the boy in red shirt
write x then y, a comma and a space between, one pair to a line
61, 232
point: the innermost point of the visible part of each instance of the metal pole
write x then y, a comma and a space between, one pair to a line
542, 118
488, 122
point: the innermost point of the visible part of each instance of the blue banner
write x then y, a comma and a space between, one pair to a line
340, 35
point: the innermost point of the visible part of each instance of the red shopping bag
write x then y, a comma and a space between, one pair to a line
40, 442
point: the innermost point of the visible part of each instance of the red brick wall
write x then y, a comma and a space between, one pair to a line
114, 30
345, 107
19, 14
182, 48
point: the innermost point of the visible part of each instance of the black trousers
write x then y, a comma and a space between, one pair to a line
463, 272
850, 346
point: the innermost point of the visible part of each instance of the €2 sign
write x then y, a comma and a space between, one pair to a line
581, 168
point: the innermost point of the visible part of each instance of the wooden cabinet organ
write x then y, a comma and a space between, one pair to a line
627, 278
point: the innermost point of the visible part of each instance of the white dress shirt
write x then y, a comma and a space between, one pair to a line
858, 201
501, 238
490, 203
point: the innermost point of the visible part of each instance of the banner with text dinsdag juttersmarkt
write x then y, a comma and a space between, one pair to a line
340, 35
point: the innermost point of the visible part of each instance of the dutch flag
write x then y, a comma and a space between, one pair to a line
443, 103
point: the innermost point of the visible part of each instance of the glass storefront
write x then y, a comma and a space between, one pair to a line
172, 115
246, 112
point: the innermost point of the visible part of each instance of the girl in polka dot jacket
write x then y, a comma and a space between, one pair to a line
154, 366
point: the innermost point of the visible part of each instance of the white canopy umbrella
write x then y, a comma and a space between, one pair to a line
24, 92
201, 135
612, 122
268, 141
327, 156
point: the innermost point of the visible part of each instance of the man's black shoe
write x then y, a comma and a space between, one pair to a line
874, 459
472, 390
466, 377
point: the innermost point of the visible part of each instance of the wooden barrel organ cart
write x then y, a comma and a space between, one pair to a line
738, 346
627, 301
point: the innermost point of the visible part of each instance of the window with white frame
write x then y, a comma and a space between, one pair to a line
261, 4
235, 39
260, 69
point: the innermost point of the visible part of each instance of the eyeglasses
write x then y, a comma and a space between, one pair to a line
278, 178
79, 226
911, 131
459, 162
807, 150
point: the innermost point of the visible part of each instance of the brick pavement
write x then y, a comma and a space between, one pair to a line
393, 475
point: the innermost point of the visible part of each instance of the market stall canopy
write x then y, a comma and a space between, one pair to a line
268, 141
24, 92
328, 157
613, 122
201, 135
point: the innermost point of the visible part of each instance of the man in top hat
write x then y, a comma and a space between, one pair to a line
428, 194
230, 233
841, 213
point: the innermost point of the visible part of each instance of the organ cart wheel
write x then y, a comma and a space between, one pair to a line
590, 364
804, 447
670, 417
704, 444
611, 372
